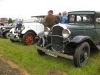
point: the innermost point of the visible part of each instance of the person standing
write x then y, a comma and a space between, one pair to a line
64, 19
58, 18
49, 20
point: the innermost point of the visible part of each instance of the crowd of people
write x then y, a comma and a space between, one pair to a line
51, 19
62, 17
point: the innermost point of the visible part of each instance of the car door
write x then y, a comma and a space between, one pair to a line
97, 34
88, 21
77, 27
90, 31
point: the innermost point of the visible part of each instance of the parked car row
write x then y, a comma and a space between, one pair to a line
73, 40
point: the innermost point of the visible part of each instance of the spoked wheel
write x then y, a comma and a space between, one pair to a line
28, 38
40, 44
82, 54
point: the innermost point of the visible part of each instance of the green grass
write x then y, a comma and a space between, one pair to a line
28, 57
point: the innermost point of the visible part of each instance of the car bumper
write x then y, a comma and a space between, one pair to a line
56, 53
14, 36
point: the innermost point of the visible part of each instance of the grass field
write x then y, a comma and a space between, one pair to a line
28, 57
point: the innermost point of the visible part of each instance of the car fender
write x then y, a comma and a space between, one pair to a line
26, 30
12, 30
28, 27
42, 36
7, 30
78, 39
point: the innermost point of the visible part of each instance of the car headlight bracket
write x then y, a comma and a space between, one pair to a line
46, 30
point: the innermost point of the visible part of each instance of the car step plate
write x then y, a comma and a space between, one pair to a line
54, 55
98, 46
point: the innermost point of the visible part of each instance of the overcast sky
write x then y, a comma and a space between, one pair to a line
27, 8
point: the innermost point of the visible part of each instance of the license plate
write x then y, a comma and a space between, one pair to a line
54, 55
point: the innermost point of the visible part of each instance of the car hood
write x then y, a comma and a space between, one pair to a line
75, 28
67, 26
71, 26
31, 24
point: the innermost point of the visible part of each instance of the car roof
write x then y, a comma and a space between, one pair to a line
41, 15
38, 16
83, 12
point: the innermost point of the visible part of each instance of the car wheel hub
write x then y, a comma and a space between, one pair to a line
29, 39
85, 55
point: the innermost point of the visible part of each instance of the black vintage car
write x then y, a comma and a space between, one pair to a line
4, 30
74, 40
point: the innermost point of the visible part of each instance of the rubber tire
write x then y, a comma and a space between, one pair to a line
12, 40
38, 44
5, 35
77, 54
24, 36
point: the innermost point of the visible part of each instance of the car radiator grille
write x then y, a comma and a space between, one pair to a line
57, 35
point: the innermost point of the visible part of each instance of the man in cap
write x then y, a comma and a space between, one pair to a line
49, 20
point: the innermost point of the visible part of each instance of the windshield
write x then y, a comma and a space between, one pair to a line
38, 18
35, 19
81, 19
98, 19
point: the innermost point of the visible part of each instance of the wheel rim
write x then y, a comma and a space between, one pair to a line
29, 39
84, 55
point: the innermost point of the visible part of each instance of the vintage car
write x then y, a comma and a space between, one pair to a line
27, 32
4, 30
74, 40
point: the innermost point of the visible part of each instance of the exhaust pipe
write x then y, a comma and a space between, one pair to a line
56, 53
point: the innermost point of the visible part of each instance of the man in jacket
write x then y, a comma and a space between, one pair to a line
49, 20
64, 19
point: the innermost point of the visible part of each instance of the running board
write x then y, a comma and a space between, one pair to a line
98, 46
56, 53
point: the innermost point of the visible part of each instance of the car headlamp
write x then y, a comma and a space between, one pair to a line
23, 27
46, 30
66, 33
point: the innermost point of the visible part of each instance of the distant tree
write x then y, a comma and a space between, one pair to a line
14, 21
10, 20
